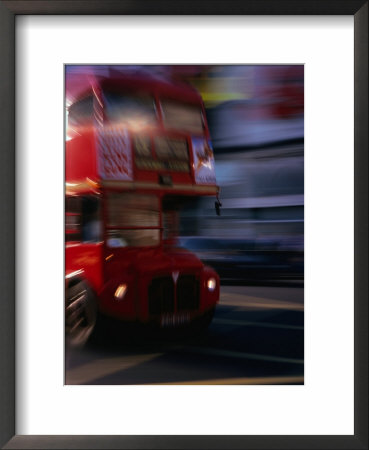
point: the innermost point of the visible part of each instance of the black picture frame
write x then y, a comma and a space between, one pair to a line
8, 12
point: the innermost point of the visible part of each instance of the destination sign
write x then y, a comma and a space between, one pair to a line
155, 164
142, 146
171, 148
169, 153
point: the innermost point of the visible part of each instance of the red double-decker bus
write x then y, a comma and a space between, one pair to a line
137, 149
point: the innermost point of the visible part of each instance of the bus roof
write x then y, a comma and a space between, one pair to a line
79, 85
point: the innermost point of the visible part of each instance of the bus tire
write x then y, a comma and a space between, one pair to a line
80, 314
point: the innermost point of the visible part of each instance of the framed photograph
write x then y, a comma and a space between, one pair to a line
199, 172
181, 273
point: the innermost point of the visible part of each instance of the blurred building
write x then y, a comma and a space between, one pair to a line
262, 195
258, 139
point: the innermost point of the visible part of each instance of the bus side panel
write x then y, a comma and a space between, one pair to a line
81, 159
86, 261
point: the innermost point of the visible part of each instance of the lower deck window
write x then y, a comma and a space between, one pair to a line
133, 220
82, 219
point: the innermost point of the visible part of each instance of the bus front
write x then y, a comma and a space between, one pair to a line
154, 156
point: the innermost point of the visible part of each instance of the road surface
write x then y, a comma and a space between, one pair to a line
256, 337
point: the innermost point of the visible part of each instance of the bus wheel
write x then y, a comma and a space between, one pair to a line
80, 314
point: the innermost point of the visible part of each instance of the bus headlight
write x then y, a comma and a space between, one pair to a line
120, 292
211, 284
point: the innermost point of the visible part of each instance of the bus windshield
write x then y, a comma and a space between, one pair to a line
133, 220
130, 109
173, 207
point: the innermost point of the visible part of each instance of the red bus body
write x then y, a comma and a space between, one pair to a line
127, 173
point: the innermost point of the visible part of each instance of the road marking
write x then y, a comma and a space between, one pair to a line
99, 368
241, 355
246, 301
257, 324
245, 380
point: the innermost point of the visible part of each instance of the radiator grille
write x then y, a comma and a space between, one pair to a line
163, 298
161, 295
187, 293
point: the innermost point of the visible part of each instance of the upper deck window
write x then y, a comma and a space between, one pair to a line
133, 110
81, 113
182, 117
